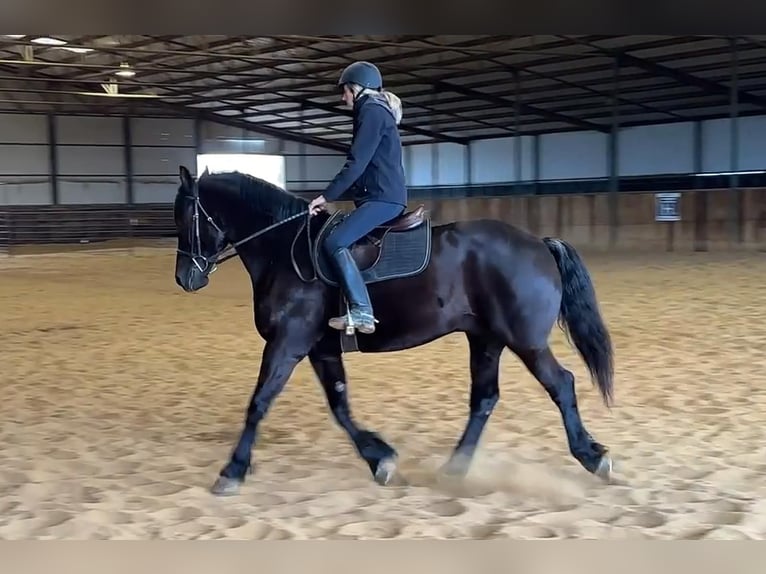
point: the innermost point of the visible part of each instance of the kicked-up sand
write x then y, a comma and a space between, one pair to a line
122, 397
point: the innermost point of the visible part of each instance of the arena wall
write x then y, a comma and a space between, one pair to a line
708, 221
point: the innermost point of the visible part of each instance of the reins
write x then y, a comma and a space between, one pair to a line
254, 235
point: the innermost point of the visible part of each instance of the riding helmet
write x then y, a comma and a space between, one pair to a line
365, 74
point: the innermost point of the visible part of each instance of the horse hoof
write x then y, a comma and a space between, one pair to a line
385, 471
456, 467
225, 486
604, 469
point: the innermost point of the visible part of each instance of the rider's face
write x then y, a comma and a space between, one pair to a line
348, 97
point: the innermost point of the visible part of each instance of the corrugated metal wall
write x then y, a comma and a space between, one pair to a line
101, 160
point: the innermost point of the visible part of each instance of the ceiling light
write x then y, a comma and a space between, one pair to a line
125, 71
13, 35
106, 41
48, 41
118, 95
112, 90
77, 50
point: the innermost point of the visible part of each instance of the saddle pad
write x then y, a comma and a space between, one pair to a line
402, 254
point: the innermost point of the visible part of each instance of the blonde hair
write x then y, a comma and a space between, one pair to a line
394, 102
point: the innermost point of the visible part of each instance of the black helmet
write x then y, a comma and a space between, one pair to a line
365, 74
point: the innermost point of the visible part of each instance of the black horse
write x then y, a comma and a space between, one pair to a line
501, 286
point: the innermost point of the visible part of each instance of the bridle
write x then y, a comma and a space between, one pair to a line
211, 263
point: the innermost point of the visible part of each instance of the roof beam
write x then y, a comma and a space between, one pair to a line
265, 130
678, 75
433, 81
412, 129
247, 89
213, 117
306, 101
254, 82
690, 80
515, 68
525, 108
404, 125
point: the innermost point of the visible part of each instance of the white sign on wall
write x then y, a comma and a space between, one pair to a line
667, 206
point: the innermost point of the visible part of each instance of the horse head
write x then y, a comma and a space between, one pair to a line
200, 238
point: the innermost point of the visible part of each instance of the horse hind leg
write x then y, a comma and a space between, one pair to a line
485, 392
559, 384
381, 457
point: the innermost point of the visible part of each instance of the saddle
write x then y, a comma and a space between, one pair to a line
405, 221
398, 248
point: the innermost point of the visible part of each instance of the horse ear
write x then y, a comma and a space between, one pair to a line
206, 172
187, 181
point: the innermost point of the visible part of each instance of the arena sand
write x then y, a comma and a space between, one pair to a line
122, 397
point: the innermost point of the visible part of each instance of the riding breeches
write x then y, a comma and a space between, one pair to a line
360, 222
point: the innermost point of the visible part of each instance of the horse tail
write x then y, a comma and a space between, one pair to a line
580, 318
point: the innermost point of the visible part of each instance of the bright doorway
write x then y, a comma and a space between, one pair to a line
267, 167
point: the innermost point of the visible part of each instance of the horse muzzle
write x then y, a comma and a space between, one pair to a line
191, 279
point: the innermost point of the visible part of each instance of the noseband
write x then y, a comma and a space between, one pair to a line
212, 262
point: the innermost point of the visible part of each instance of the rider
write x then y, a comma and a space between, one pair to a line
374, 168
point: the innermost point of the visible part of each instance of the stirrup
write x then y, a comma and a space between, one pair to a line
351, 326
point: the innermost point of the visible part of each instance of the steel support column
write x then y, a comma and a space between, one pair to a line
700, 195
735, 211
468, 163
434, 151
517, 128
198, 148
533, 201
53, 160
127, 139
614, 149
302, 157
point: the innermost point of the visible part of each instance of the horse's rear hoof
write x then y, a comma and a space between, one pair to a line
456, 467
385, 472
225, 486
604, 469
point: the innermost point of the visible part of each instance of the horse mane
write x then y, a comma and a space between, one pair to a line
262, 197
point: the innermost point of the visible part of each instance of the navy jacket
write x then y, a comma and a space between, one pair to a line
374, 163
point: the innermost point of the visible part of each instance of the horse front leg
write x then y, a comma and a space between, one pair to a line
280, 358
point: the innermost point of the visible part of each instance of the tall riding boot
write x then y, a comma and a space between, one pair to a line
360, 308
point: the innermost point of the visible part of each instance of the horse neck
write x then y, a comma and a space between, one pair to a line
239, 219
237, 216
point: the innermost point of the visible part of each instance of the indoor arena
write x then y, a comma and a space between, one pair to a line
124, 395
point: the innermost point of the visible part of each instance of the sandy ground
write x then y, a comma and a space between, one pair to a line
122, 396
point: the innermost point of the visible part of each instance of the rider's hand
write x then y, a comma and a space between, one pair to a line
317, 205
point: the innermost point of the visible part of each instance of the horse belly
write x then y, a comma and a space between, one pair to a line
417, 310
